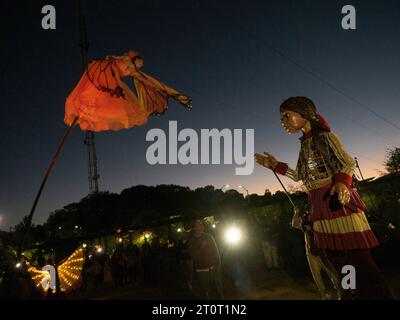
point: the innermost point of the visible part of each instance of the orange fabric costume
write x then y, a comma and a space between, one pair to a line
102, 101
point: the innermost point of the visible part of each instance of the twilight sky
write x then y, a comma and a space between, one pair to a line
238, 60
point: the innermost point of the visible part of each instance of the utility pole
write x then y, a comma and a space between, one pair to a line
358, 166
247, 191
89, 141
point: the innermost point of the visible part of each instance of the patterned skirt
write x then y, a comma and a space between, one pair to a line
339, 227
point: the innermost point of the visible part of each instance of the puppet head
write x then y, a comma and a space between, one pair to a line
135, 57
299, 113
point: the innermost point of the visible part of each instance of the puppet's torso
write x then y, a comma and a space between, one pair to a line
314, 169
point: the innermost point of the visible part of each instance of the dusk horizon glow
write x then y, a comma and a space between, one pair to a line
218, 55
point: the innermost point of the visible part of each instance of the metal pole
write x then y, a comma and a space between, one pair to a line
49, 169
286, 192
89, 135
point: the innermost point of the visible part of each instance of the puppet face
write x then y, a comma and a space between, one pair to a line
132, 53
135, 58
292, 121
138, 62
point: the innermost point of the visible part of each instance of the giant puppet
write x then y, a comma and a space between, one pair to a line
336, 216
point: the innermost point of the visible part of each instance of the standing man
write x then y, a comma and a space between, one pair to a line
206, 262
270, 245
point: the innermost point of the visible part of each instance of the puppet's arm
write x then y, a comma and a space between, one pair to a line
347, 164
150, 82
129, 69
343, 178
269, 161
292, 174
284, 169
147, 85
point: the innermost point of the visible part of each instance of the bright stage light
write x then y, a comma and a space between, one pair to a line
233, 235
18, 265
147, 235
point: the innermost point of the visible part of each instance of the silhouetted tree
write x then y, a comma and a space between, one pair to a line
392, 162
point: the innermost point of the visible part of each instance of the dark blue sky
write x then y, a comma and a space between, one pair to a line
218, 52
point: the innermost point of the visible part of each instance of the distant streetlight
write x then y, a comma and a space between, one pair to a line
179, 230
242, 187
224, 186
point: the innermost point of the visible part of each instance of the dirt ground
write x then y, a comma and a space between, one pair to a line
261, 284
268, 285
272, 285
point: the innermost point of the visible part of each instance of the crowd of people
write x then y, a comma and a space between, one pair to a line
192, 263
147, 265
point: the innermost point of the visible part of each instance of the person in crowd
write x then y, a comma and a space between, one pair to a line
270, 244
185, 263
108, 278
98, 274
206, 262
146, 263
131, 264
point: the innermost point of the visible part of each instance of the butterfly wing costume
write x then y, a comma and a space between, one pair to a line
102, 101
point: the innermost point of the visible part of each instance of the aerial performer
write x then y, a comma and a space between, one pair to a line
102, 101
336, 211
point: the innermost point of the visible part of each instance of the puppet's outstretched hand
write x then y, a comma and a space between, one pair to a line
266, 160
342, 191
297, 221
184, 100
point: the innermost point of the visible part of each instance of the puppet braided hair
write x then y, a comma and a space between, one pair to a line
306, 108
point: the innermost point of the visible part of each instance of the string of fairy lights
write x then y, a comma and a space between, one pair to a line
38, 276
69, 272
